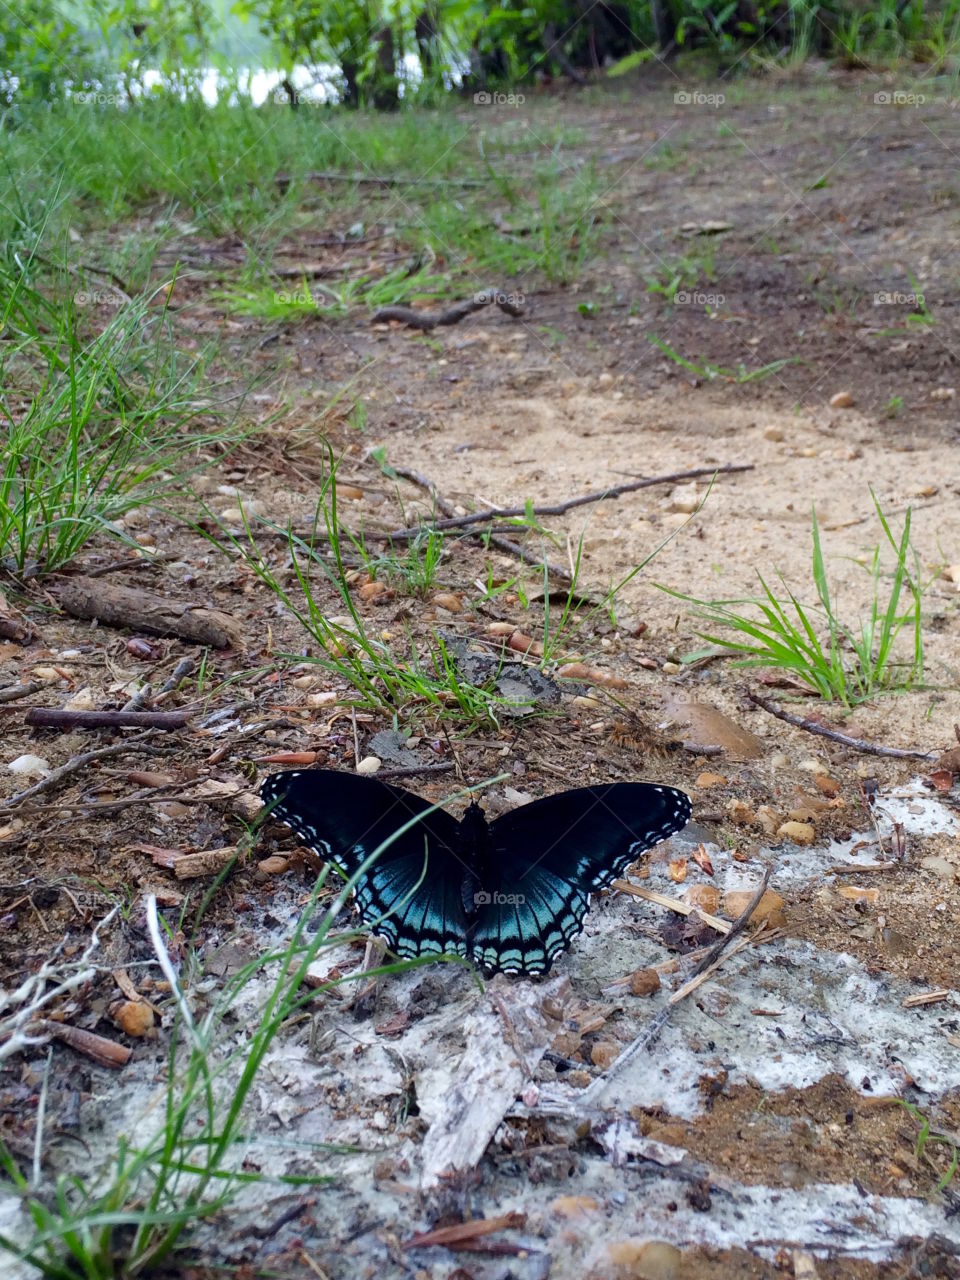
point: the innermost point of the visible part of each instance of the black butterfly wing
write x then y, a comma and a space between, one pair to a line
550, 855
412, 894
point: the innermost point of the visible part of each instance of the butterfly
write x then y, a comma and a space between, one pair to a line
508, 895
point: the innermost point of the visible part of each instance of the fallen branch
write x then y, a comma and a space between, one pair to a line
72, 766
453, 315
58, 718
118, 606
494, 540
103, 1051
821, 730
656, 1024
559, 508
13, 692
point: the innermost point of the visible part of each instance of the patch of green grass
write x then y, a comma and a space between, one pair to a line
100, 412
684, 272
841, 662
928, 1136
709, 372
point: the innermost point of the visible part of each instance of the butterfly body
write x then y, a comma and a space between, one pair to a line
509, 895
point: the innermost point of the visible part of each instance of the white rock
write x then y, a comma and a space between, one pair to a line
369, 764
82, 700
685, 498
30, 766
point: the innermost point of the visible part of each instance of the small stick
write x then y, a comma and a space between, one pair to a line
72, 766
692, 983
55, 718
106, 1052
558, 508
859, 744
14, 692
672, 904
414, 770
143, 696
180, 672
656, 1024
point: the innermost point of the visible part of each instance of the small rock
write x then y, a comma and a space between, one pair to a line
82, 700
685, 498
812, 766
826, 785
369, 764
798, 832
274, 865
707, 780
773, 433
769, 819
30, 766
500, 629
943, 393
803, 813
952, 573
740, 813
375, 591
644, 982
780, 760
325, 699
644, 1259
448, 600
769, 908
842, 400
670, 668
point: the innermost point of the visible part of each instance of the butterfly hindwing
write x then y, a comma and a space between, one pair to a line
412, 894
550, 855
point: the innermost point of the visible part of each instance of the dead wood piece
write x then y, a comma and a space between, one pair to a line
206, 862
559, 508
56, 718
13, 692
103, 1051
822, 731
427, 320
118, 606
656, 1024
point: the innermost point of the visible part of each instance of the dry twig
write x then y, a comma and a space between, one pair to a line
453, 315
73, 766
57, 718
821, 730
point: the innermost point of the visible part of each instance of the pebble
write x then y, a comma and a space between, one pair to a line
740, 813
704, 896
842, 400
82, 700
685, 498
770, 906
645, 1259
769, 819
952, 573
644, 982
448, 600
773, 433
30, 766
812, 766
943, 393
603, 1053
798, 832
324, 699
369, 764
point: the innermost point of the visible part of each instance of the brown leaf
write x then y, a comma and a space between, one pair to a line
135, 1017
678, 869
707, 726
942, 779
395, 1025
702, 859
525, 644
161, 856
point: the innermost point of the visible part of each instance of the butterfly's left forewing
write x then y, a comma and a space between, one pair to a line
549, 856
411, 895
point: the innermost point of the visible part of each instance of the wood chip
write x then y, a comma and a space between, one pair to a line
208, 862
926, 997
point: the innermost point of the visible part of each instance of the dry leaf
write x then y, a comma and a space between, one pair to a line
858, 893
705, 897
525, 644
942, 779
678, 869
707, 780
706, 726
135, 1017
448, 600
702, 859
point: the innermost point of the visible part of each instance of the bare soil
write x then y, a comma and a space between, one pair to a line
778, 1078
